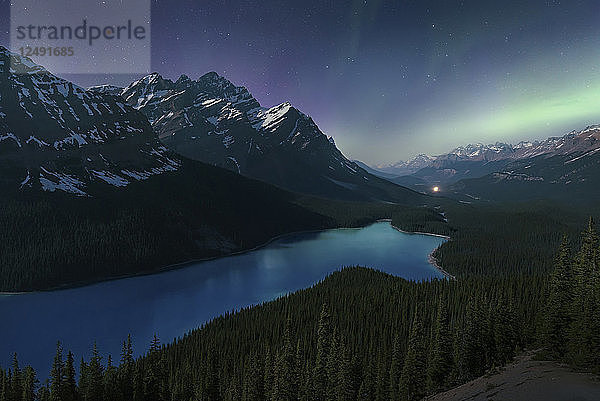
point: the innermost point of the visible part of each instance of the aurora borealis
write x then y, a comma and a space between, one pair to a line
390, 79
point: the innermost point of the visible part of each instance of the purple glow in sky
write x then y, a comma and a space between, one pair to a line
390, 79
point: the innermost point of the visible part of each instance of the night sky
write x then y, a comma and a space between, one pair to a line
390, 79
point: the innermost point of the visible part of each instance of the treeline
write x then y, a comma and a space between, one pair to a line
52, 240
499, 240
359, 334
572, 313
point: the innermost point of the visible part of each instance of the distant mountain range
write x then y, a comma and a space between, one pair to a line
56, 136
568, 160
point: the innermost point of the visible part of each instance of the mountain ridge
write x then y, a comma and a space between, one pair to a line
214, 121
499, 161
56, 136
500, 150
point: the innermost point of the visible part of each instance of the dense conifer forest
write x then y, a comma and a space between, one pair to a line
53, 240
364, 335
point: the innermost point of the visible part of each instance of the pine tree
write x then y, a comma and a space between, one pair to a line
412, 380
138, 383
442, 353
381, 383
212, 390
345, 378
583, 306
471, 364
16, 380
4, 386
83, 380
111, 388
126, 370
301, 370
286, 386
57, 376
29, 383
366, 391
44, 392
69, 386
558, 316
320, 379
154, 380
269, 375
332, 367
395, 368
505, 332
95, 381
586, 259
254, 377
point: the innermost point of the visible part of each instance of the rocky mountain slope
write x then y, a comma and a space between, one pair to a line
216, 122
56, 136
88, 191
407, 167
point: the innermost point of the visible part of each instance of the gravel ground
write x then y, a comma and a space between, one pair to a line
528, 380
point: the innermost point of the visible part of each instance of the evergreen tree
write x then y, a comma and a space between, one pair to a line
83, 380
154, 380
505, 332
126, 371
395, 369
29, 384
366, 391
212, 390
471, 364
584, 303
269, 374
4, 386
442, 353
57, 375
44, 392
332, 366
381, 382
586, 259
95, 382
69, 386
111, 387
254, 387
16, 380
412, 380
320, 379
345, 379
558, 316
138, 384
286, 387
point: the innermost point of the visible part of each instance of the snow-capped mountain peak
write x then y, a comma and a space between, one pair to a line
215, 121
55, 135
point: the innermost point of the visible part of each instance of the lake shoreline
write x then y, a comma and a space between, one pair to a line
182, 265
430, 258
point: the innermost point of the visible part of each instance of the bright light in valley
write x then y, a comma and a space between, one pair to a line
436, 189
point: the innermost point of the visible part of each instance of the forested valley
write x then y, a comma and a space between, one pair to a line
364, 335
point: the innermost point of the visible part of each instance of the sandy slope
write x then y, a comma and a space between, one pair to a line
528, 380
